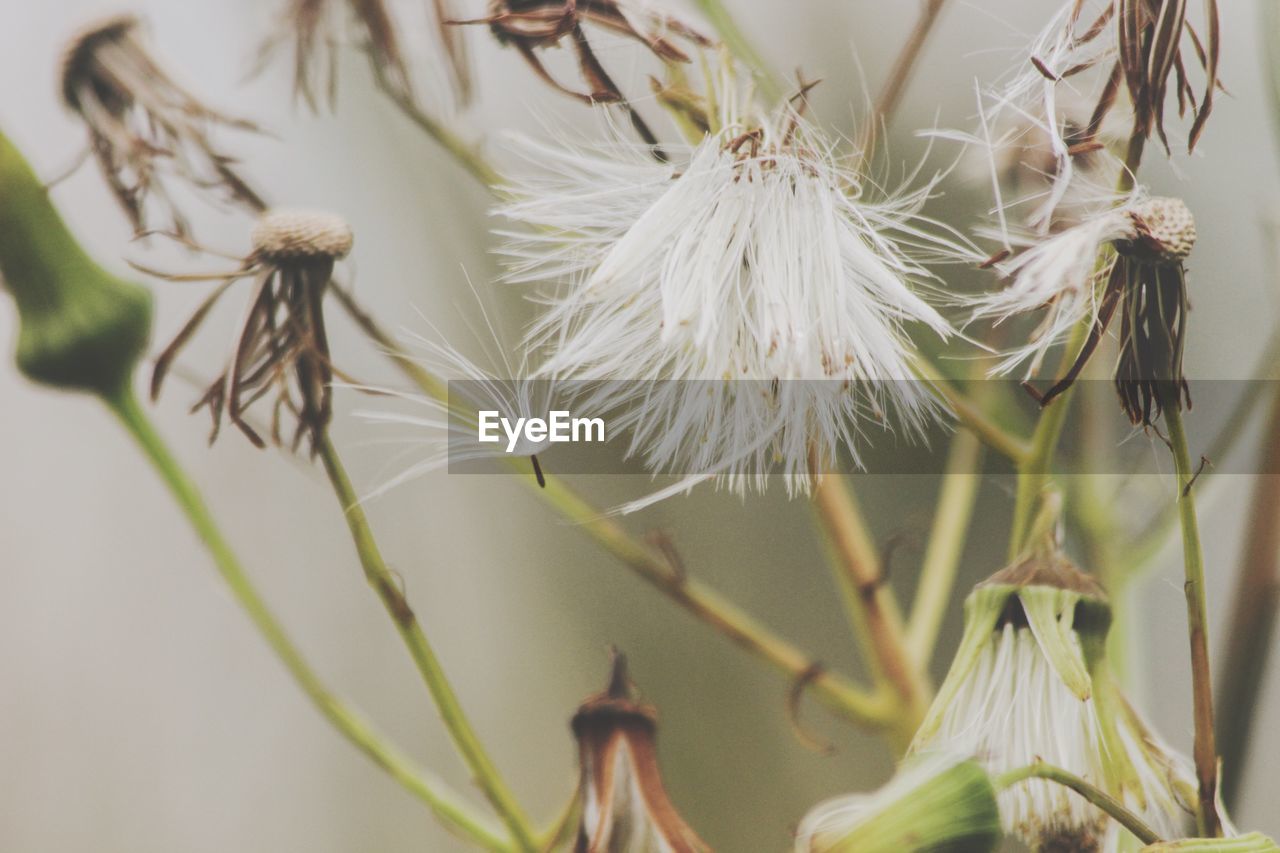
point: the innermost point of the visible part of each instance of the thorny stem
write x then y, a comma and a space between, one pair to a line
875, 607
1205, 753
903, 67
446, 804
466, 154
742, 48
1091, 793
951, 522
1252, 624
835, 692
386, 584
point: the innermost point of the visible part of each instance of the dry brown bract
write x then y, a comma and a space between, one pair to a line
624, 803
1149, 51
532, 25
144, 127
282, 345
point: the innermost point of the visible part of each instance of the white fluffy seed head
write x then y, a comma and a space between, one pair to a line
748, 262
294, 235
1166, 229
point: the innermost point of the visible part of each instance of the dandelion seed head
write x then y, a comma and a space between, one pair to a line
292, 235
757, 256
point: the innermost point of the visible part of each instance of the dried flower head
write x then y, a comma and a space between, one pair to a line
282, 344
934, 802
531, 26
1029, 683
624, 804
1133, 253
144, 128
740, 308
1141, 45
316, 28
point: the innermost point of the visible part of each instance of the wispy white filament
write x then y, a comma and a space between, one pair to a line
751, 263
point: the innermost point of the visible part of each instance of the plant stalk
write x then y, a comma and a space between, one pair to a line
1204, 751
1092, 793
900, 75
386, 585
447, 805
742, 48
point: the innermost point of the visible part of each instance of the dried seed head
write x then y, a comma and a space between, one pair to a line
1166, 230
77, 56
292, 235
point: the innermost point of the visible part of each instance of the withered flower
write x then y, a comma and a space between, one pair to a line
316, 28
624, 804
1151, 238
533, 25
1141, 45
143, 127
282, 344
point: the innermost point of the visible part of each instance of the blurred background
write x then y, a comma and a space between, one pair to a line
139, 711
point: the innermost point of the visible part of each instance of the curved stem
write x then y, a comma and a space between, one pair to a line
386, 585
447, 805
1205, 752
971, 415
1092, 793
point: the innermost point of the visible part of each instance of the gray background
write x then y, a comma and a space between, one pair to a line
139, 711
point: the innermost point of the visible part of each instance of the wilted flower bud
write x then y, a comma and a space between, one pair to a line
934, 803
143, 126
282, 343
1029, 684
79, 326
1062, 274
625, 807
1254, 842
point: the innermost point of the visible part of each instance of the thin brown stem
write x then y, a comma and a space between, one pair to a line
1251, 626
900, 75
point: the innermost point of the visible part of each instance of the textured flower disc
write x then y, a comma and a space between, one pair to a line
1168, 227
283, 235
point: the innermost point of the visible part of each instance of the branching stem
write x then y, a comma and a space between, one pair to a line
451, 809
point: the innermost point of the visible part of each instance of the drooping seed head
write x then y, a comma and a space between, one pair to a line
77, 56
1166, 230
295, 235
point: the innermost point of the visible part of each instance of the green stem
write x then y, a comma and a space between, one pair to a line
1205, 752
971, 415
447, 805
467, 155
1092, 793
951, 522
836, 693
386, 585
873, 607
1035, 471
742, 48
